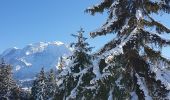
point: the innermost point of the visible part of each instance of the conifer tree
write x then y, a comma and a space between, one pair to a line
134, 67
51, 86
81, 57
73, 77
8, 86
39, 86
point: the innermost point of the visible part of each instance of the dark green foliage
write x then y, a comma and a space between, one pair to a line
8, 87
78, 73
80, 55
131, 22
44, 86
25, 95
39, 86
125, 13
51, 86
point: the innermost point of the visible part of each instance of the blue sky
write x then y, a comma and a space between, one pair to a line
29, 21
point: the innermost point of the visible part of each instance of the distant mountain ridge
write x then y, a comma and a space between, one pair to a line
27, 62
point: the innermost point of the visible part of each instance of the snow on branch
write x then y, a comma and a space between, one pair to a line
142, 86
119, 48
161, 74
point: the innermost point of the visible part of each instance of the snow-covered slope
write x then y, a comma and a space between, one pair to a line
29, 60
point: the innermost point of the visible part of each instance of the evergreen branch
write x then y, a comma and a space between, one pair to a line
154, 38
151, 7
77, 36
110, 27
99, 7
165, 8
156, 55
112, 44
155, 7
159, 27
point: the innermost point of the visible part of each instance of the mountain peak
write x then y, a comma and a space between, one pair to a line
27, 62
42, 44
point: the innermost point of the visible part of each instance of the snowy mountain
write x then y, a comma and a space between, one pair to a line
27, 62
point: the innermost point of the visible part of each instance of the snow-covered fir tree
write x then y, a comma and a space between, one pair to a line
131, 65
51, 86
39, 86
78, 73
8, 88
44, 86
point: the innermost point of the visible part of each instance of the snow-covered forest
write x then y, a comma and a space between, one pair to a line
129, 67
